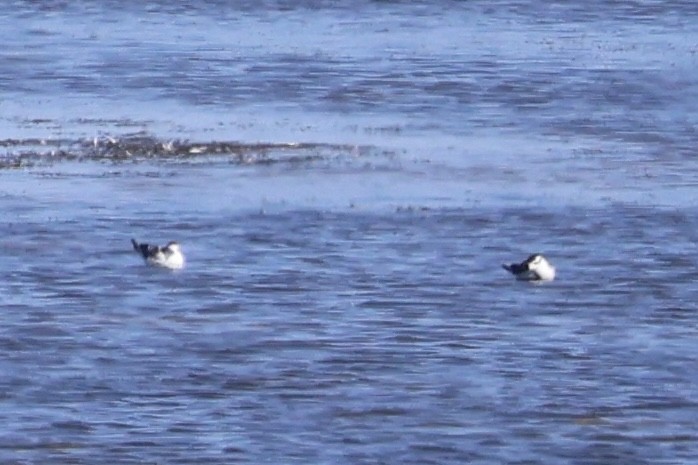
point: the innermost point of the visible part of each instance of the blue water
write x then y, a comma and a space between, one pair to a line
346, 180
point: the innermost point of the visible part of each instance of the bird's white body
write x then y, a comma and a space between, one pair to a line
534, 268
169, 256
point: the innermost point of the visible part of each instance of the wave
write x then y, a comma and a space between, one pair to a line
20, 153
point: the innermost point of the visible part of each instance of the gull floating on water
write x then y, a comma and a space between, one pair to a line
169, 256
534, 268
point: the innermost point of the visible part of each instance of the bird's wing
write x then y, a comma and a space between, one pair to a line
516, 268
146, 250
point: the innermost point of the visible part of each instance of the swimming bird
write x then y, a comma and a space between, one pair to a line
534, 268
169, 256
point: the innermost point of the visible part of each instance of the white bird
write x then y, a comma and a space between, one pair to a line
534, 268
169, 256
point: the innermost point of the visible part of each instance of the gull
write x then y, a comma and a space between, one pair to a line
535, 268
169, 256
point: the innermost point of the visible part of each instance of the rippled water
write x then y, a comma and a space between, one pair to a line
346, 180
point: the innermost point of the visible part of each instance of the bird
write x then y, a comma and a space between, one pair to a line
535, 268
169, 256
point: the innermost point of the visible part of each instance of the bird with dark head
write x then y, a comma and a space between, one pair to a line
170, 256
